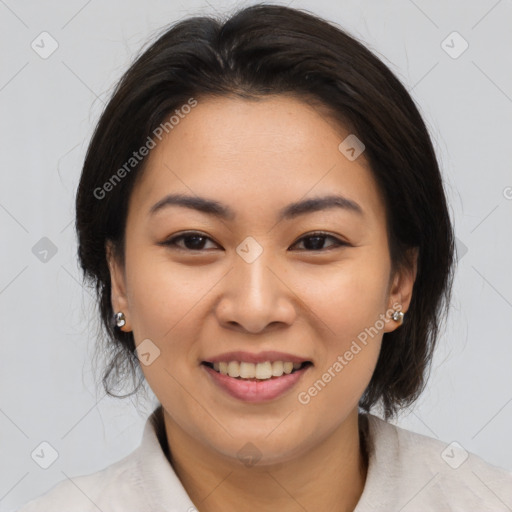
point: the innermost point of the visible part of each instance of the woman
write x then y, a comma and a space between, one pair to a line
264, 219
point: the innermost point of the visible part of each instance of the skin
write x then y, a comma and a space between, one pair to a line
258, 157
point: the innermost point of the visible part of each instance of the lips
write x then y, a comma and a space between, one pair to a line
263, 365
255, 390
255, 377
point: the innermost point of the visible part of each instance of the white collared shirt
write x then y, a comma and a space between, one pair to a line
407, 472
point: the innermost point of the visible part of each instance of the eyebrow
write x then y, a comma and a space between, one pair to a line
221, 211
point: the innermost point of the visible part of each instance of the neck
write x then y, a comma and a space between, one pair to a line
329, 477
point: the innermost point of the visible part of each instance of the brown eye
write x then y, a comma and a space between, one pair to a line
191, 241
315, 241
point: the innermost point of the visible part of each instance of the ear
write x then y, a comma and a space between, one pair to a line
400, 293
118, 295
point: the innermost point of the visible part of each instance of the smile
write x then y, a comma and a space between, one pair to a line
255, 382
258, 371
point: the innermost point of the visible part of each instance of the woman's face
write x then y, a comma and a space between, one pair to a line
255, 282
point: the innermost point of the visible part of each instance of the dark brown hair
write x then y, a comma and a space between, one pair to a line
269, 49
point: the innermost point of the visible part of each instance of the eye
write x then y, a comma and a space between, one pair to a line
193, 241
317, 239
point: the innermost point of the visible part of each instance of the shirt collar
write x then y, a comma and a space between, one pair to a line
162, 489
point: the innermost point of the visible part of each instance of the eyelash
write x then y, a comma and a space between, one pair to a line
316, 234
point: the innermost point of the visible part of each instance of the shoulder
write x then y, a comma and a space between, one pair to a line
113, 485
413, 472
143, 480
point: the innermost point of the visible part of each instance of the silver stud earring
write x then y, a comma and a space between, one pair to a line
120, 319
398, 316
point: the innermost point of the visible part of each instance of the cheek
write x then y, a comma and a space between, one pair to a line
349, 317
161, 294
165, 300
162, 298
348, 310
346, 299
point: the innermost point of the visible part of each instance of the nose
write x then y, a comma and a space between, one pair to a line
255, 296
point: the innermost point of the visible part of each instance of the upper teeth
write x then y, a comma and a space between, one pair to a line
264, 370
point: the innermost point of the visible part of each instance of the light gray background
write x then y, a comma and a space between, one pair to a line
48, 110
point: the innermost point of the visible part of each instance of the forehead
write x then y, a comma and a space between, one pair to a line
256, 156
